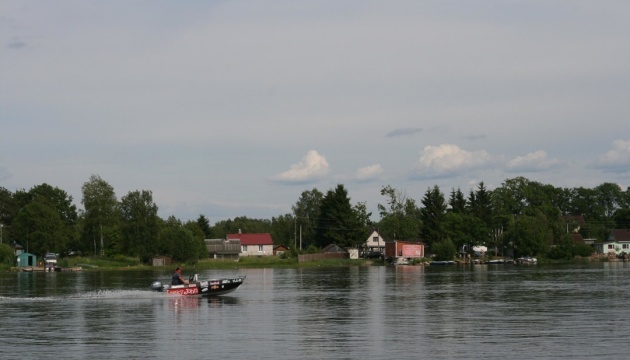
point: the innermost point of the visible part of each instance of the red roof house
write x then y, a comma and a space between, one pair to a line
258, 244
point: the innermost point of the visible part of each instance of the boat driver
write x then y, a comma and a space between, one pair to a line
177, 278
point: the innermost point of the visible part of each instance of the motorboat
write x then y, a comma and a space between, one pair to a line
195, 287
527, 260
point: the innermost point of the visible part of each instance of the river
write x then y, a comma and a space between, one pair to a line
410, 312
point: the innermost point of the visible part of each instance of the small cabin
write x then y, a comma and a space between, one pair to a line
161, 260
26, 260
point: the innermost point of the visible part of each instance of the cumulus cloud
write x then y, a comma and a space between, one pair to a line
403, 132
312, 167
448, 160
616, 160
368, 173
532, 162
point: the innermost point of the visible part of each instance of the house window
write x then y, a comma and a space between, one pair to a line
244, 248
260, 248
626, 246
611, 247
375, 239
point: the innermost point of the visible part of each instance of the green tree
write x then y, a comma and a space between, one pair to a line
40, 227
530, 235
457, 201
46, 220
432, 215
139, 224
242, 224
8, 207
7, 256
610, 198
306, 213
465, 229
400, 219
204, 225
444, 250
183, 242
283, 231
101, 209
338, 221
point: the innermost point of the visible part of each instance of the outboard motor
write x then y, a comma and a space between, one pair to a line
157, 286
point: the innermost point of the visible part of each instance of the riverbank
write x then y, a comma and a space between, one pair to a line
131, 263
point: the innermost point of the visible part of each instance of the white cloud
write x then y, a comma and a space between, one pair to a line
312, 167
616, 160
369, 172
448, 160
532, 162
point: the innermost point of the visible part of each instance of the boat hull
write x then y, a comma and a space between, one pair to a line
211, 287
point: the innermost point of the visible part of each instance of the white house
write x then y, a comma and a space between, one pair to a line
375, 242
618, 242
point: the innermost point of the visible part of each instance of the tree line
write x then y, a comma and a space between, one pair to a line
521, 215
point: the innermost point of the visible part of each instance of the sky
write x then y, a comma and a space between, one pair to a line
234, 108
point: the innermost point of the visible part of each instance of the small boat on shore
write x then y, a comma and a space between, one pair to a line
440, 263
210, 287
526, 260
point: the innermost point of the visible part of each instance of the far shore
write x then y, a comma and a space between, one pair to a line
129, 263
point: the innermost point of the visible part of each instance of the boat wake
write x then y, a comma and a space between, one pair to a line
91, 295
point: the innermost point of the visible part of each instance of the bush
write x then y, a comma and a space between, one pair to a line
444, 250
583, 250
6, 255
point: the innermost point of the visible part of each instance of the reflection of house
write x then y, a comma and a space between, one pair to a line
375, 242
223, 249
618, 242
404, 249
259, 244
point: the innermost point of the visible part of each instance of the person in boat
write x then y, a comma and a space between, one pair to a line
177, 278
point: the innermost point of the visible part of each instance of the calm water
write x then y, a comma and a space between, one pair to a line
486, 312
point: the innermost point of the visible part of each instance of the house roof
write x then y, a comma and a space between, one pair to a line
332, 248
253, 239
619, 235
577, 238
579, 219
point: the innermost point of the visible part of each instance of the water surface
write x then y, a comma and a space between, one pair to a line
450, 312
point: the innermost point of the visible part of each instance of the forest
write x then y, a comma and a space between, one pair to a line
521, 215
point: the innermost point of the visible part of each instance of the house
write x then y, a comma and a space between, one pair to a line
577, 239
280, 249
403, 249
26, 260
223, 248
374, 243
618, 242
573, 223
161, 260
332, 248
259, 244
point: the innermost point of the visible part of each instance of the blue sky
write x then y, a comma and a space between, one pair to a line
230, 108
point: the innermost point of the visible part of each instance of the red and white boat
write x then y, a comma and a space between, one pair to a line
210, 287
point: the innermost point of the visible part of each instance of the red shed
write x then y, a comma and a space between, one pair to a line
406, 249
